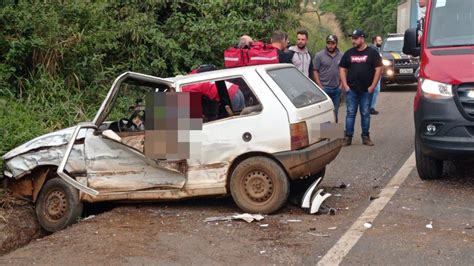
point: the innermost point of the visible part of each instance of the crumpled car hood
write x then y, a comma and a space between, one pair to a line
56, 138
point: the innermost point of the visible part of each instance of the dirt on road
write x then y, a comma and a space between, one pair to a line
18, 224
139, 233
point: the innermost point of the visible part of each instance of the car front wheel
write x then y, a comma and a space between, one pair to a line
428, 167
259, 185
58, 205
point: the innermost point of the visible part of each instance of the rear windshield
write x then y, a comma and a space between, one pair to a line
299, 89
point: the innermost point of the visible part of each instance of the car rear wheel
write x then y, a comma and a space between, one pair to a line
58, 205
428, 167
259, 185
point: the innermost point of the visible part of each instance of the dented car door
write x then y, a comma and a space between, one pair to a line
115, 167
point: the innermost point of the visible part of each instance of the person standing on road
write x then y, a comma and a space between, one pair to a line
280, 41
301, 57
360, 70
326, 71
377, 42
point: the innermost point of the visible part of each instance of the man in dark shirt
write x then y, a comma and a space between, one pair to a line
280, 41
360, 70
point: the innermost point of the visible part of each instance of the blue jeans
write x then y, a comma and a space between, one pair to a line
374, 96
335, 95
358, 100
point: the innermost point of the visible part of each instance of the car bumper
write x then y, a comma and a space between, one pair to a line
310, 160
399, 79
454, 137
392, 74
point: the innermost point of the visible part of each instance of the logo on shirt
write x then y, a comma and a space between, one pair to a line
359, 59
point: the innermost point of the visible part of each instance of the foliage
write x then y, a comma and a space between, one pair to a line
57, 59
375, 17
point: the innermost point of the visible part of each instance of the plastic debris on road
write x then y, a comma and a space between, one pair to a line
313, 200
244, 216
293, 221
89, 217
321, 235
429, 226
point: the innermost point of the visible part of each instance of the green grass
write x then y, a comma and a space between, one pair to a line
318, 31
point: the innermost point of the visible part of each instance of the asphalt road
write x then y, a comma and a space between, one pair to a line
175, 233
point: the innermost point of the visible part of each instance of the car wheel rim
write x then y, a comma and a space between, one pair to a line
258, 186
56, 205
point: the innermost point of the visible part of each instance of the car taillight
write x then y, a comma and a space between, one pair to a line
299, 135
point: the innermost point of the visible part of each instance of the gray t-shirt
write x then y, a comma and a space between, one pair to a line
328, 68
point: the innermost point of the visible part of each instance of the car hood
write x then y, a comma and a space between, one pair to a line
394, 55
449, 65
56, 138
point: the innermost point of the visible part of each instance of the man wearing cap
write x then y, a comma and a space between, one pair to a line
326, 71
360, 69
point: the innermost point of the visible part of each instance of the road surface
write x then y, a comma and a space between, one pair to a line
400, 216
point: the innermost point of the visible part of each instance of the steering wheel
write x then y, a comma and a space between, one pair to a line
125, 124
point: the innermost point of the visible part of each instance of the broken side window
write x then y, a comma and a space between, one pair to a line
225, 98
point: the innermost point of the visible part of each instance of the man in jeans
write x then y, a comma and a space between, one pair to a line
326, 71
377, 42
360, 70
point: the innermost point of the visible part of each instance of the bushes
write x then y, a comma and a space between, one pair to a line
375, 17
57, 60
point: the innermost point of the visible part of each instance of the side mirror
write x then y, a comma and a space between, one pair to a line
410, 42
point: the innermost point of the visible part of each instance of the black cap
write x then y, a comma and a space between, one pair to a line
331, 38
357, 33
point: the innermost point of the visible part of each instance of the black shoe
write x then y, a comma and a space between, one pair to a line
347, 141
374, 112
367, 141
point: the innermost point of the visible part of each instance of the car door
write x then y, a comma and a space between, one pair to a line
114, 156
113, 166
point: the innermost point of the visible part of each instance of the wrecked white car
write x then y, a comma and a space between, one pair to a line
283, 132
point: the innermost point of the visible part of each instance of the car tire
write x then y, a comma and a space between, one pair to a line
429, 168
58, 205
259, 185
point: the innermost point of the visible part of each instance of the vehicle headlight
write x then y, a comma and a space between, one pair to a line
386, 62
436, 90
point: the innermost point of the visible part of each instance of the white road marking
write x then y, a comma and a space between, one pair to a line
337, 253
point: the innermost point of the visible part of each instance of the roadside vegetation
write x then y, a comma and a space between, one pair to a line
372, 16
57, 60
